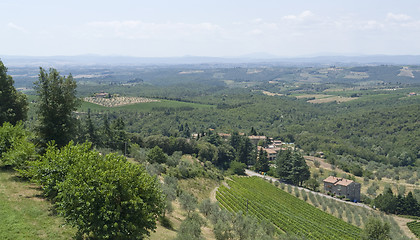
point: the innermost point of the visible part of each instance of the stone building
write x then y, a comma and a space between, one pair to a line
342, 187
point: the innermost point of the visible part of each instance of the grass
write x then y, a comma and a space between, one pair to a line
199, 187
26, 215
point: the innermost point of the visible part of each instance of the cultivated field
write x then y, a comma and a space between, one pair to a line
322, 98
289, 214
118, 101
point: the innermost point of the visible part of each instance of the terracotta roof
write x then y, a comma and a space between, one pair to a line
338, 181
331, 179
270, 150
257, 137
344, 182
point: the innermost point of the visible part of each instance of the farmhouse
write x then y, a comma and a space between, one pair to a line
342, 187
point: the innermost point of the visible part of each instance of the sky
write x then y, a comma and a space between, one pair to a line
217, 28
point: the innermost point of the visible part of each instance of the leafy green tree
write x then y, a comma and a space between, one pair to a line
386, 202
13, 104
120, 135
53, 167
91, 131
188, 202
262, 161
56, 102
312, 184
292, 168
107, 133
374, 230
110, 198
156, 155
207, 152
15, 148
190, 228
225, 155
244, 153
237, 168
205, 207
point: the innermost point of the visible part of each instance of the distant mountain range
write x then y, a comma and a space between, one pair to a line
258, 59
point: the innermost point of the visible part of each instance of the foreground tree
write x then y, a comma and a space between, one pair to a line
56, 102
103, 197
13, 104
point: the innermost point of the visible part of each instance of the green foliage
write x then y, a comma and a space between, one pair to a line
205, 207
52, 168
15, 148
374, 229
56, 102
188, 202
13, 104
156, 155
237, 168
397, 204
103, 197
111, 199
190, 228
262, 162
291, 167
292, 215
312, 184
414, 227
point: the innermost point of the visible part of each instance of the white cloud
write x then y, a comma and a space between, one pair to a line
16, 27
302, 16
397, 17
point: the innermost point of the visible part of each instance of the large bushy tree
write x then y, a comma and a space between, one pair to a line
13, 104
291, 167
104, 197
56, 102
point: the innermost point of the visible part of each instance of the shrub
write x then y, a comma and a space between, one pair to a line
109, 198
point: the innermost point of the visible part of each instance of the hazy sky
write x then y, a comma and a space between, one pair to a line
157, 28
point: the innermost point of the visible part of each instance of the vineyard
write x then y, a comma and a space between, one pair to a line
289, 214
414, 226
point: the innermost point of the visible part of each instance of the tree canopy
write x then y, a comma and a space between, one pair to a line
56, 102
104, 197
13, 104
291, 167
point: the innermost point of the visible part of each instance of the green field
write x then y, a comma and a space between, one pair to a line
288, 213
414, 226
26, 215
138, 107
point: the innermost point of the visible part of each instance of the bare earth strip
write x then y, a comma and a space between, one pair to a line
271, 94
337, 99
316, 96
118, 101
